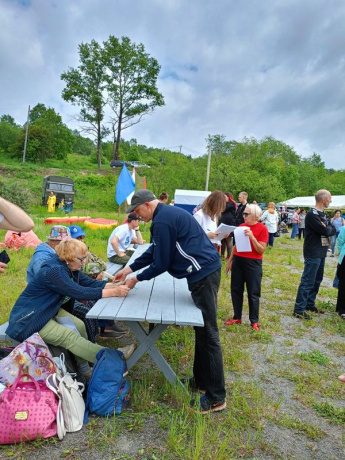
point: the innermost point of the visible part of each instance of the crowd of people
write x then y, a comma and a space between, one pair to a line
65, 279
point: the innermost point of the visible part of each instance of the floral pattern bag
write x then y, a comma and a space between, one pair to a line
29, 357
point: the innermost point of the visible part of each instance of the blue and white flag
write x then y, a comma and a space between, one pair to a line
125, 185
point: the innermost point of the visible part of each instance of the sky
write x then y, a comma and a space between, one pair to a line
238, 68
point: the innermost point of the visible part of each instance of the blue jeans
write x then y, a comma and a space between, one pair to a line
294, 230
310, 282
334, 239
208, 360
271, 239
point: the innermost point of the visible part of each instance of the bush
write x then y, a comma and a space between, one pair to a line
16, 194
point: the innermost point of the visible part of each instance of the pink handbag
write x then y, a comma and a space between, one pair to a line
27, 411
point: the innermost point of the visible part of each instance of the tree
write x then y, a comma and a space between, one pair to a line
85, 87
61, 136
39, 146
131, 84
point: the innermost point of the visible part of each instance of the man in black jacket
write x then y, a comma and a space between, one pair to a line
316, 242
242, 198
181, 247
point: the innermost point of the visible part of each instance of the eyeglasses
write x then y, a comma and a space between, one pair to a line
81, 258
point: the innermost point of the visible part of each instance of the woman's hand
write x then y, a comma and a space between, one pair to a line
121, 291
228, 266
249, 233
212, 235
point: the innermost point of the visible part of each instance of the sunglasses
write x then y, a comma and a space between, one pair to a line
246, 214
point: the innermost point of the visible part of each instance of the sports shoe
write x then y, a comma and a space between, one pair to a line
191, 384
256, 326
128, 350
314, 310
232, 321
205, 405
115, 328
303, 315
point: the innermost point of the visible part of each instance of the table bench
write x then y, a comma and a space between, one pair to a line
162, 301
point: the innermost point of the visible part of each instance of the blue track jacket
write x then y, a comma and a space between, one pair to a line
180, 247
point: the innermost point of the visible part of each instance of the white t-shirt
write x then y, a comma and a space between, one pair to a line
207, 224
270, 220
125, 236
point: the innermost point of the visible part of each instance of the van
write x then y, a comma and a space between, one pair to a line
63, 187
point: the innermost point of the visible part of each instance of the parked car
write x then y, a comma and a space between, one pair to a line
63, 187
116, 163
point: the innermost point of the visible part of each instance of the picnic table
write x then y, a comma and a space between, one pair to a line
162, 301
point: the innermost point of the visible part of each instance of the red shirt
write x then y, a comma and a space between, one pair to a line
261, 234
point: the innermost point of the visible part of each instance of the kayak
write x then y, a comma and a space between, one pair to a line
99, 222
65, 220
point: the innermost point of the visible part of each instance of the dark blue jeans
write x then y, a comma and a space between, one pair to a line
208, 360
310, 282
271, 239
294, 230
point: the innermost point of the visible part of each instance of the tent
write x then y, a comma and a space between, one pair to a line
188, 199
338, 202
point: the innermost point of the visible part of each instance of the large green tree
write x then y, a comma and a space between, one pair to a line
86, 88
61, 136
132, 84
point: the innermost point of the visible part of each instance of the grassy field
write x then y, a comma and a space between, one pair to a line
284, 399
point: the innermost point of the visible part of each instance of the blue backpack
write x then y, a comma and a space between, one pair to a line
109, 389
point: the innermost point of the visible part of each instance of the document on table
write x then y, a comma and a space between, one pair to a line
242, 241
224, 229
66, 321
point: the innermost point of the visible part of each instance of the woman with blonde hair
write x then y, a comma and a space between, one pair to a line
246, 268
209, 214
271, 219
50, 295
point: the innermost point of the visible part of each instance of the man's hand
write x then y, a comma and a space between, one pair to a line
131, 282
2, 267
121, 275
228, 266
212, 235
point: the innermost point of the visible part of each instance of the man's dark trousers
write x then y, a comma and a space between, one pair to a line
208, 360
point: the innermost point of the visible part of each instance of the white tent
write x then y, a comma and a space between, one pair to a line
338, 202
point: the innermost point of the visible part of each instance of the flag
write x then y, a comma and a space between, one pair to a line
129, 198
144, 186
125, 185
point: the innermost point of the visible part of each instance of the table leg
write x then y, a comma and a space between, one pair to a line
147, 344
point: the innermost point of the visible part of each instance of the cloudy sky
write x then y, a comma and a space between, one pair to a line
232, 67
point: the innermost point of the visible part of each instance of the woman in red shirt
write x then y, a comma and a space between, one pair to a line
246, 268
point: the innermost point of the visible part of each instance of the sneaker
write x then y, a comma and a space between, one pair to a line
127, 350
109, 335
232, 321
332, 255
314, 310
256, 326
205, 405
115, 328
329, 250
303, 315
191, 384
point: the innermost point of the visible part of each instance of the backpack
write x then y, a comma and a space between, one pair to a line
109, 389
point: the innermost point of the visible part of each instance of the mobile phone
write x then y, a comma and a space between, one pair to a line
4, 257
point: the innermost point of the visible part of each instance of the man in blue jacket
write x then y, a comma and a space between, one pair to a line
182, 248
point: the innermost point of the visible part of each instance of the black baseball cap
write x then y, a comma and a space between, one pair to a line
132, 216
140, 197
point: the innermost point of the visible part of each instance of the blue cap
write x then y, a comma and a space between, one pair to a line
76, 231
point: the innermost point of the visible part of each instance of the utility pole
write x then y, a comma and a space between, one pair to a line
26, 135
208, 167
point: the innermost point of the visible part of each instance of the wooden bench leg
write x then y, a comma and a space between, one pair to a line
147, 344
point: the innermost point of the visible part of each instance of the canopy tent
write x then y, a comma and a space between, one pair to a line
338, 202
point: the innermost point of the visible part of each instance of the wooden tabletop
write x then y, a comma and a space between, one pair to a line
164, 300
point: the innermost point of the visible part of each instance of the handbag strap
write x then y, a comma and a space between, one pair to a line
18, 380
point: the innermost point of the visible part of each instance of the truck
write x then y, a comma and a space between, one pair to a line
63, 187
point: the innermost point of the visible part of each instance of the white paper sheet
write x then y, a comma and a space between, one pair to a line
224, 230
242, 241
67, 321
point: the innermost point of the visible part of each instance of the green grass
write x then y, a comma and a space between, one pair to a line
257, 365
